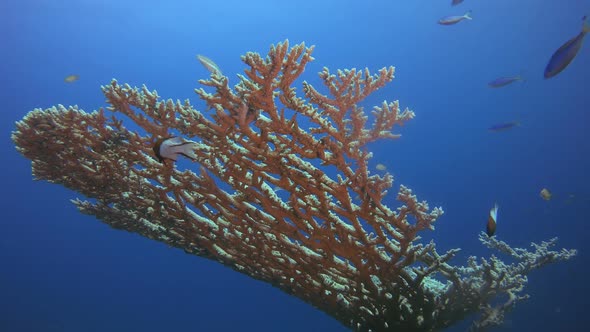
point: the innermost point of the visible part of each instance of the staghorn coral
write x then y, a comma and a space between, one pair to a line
287, 204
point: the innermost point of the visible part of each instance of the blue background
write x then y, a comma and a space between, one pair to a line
63, 271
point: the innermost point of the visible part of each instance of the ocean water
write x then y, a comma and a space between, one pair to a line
64, 271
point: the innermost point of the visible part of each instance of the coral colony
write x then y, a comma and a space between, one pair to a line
291, 205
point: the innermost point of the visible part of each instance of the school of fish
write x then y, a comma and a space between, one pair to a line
558, 61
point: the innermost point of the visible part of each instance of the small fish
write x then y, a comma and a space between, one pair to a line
381, 167
456, 2
504, 126
567, 52
491, 225
450, 20
209, 64
170, 148
545, 194
71, 78
504, 81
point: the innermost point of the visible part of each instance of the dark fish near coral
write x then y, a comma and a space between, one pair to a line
504, 81
567, 52
170, 148
491, 225
450, 20
504, 126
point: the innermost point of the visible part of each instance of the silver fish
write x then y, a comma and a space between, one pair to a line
170, 148
211, 66
567, 52
450, 20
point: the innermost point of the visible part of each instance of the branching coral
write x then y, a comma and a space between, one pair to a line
280, 191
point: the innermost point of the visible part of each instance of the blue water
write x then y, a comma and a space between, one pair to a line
63, 271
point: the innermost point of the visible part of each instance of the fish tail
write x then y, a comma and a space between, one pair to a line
188, 150
467, 15
586, 25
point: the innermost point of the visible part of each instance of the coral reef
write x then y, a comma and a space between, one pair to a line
280, 191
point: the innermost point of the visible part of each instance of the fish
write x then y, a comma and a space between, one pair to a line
504, 126
504, 81
567, 52
209, 64
450, 20
545, 194
492, 218
456, 2
381, 167
169, 148
71, 78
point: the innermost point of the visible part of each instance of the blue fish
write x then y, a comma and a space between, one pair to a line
456, 2
504, 126
566, 53
449, 20
503, 81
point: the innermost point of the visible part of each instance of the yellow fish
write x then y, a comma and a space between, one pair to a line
545, 194
71, 78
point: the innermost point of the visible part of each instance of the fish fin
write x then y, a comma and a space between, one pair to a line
494, 212
467, 15
174, 140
